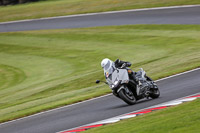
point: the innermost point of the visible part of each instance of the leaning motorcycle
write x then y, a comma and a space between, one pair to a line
127, 89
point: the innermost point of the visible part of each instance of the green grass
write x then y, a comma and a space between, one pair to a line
40, 70
52, 8
180, 119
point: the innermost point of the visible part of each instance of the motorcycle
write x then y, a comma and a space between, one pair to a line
129, 90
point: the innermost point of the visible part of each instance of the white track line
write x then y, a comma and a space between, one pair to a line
91, 99
177, 74
101, 13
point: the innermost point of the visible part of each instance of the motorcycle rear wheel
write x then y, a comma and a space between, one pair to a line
155, 94
126, 97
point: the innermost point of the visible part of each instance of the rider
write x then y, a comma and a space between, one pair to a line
108, 64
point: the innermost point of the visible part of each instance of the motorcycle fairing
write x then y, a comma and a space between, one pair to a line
118, 75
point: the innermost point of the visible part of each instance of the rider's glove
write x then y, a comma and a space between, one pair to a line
128, 64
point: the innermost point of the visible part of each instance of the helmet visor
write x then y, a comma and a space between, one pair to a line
106, 67
109, 68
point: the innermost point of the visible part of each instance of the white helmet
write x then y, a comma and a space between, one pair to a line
106, 63
108, 66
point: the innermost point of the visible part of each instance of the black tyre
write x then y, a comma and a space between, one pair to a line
129, 99
155, 93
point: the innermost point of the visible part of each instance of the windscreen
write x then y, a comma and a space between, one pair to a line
120, 74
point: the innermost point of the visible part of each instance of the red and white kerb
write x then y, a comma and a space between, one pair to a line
132, 114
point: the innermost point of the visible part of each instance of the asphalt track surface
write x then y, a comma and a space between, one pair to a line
186, 15
108, 106
102, 108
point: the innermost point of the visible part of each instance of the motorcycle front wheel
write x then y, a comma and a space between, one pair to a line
129, 99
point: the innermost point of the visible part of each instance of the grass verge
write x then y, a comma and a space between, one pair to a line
179, 119
69, 7
41, 70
